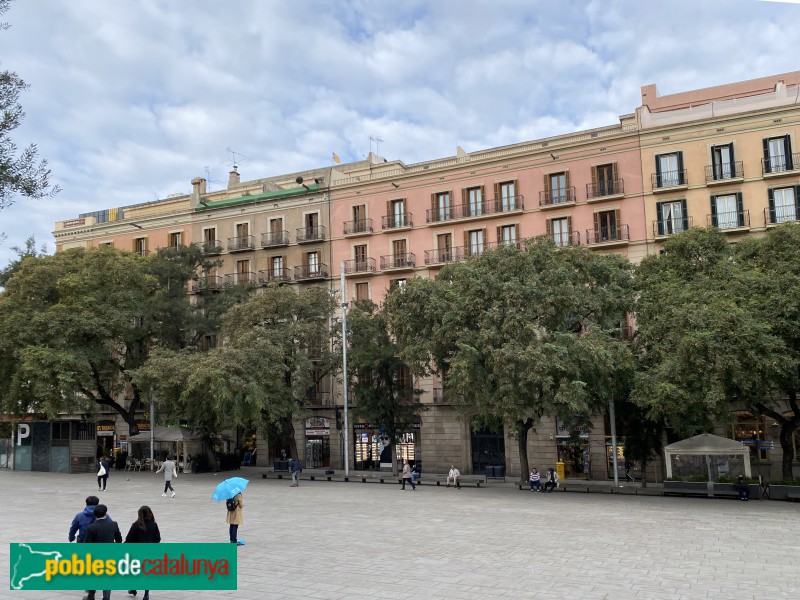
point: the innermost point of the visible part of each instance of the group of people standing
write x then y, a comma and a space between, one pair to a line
535, 480
93, 525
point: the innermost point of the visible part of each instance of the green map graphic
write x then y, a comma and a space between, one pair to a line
27, 564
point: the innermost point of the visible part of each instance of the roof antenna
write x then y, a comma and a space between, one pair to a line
234, 162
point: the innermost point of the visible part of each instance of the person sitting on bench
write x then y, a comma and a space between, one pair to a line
454, 475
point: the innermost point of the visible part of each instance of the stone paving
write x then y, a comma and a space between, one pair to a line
330, 540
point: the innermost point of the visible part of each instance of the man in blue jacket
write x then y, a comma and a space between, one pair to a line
83, 519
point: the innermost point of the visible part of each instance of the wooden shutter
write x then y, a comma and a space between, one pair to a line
615, 187
569, 233
548, 198
733, 161
767, 162
658, 171
681, 175
617, 233
517, 239
593, 193
389, 207
713, 211
660, 221
434, 211
467, 249
787, 148
740, 209
483, 199
464, 201
499, 235
498, 201
485, 239
685, 215
550, 229
772, 205
568, 188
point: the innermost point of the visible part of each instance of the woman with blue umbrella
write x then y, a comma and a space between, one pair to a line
231, 490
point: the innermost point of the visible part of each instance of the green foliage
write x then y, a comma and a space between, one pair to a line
517, 334
29, 251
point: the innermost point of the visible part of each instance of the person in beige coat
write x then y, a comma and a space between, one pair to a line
234, 518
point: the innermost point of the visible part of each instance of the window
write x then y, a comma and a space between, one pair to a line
405, 381
242, 271
397, 213
140, 246
312, 223
242, 230
606, 226
727, 212
506, 192
360, 253
441, 205
312, 262
557, 187
604, 180
362, 291
444, 244
508, 234
672, 217
107, 245
474, 242
399, 248
175, 239
359, 218
397, 283
61, 430
784, 204
778, 154
473, 205
559, 231
210, 235
276, 266
722, 162
669, 170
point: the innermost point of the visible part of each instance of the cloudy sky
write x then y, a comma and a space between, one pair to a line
131, 99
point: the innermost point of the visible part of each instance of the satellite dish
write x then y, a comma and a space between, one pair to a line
299, 180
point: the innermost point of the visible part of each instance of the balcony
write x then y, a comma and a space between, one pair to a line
273, 276
395, 262
667, 181
781, 164
243, 278
207, 282
404, 221
439, 396
358, 227
241, 244
724, 173
609, 236
315, 398
359, 266
274, 239
781, 214
212, 247
474, 210
142, 252
566, 238
605, 190
442, 256
664, 228
556, 198
309, 272
732, 220
307, 235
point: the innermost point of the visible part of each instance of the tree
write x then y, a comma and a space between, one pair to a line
20, 174
74, 326
276, 347
519, 334
719, 330
382, 386
29, 251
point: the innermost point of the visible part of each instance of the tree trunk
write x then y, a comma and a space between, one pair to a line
643, 462
522, 438
787, 430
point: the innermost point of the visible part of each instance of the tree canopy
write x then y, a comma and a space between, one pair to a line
519, 334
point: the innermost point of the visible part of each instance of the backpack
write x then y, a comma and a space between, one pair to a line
230, 504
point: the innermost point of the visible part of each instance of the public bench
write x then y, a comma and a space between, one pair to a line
793, 497
685, 492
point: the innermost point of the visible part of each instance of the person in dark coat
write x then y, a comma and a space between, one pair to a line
102, 480
143, 531
83, 519
102, 531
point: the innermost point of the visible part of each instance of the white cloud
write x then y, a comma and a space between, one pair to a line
130, 100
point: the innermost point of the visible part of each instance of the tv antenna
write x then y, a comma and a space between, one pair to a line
377, 141
234, 162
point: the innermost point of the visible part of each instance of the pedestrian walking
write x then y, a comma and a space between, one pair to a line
83, 519
102, 531
235, 517
170, 472
535, 480
552, 480
743, 488
628, 467
407, 476
144, 530
296, 467
454, 475
103, 467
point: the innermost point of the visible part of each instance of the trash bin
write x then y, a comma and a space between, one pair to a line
489, 474
500, 471
560, 470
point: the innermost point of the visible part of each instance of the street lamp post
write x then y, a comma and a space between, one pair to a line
344, 373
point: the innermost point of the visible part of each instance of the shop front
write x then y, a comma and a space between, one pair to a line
373, 446
54, 446
318, 443
573, 451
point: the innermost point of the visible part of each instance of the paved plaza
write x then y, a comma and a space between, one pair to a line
332, 540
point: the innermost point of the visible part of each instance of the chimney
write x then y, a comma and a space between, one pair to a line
198, 191
233, 177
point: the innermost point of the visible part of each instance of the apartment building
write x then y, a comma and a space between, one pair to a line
721, 157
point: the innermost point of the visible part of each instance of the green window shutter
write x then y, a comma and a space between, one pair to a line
713, 211
797, 203
787, 148
740, 209
658, 171
771, 206
660, 221
681, 176
767, 163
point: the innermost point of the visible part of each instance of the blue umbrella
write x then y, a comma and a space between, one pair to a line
229, 488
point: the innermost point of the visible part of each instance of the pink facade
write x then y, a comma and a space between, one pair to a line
410, 220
